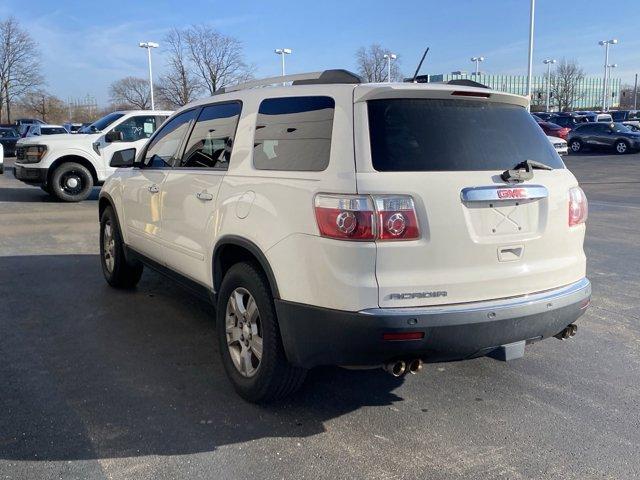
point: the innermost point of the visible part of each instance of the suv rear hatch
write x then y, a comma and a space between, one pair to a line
481, 238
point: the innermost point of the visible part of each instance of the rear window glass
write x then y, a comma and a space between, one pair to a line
294, 134
418, 135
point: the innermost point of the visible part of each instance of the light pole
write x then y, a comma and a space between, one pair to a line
388, 57
548, 62
609, 67
606, 44
532, 15
282, 52
149, 46
477, 61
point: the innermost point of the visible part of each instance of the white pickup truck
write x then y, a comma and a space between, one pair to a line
69, 166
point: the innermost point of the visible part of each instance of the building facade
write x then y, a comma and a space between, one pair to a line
589, 89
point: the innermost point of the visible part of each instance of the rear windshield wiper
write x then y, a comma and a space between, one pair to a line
523, 171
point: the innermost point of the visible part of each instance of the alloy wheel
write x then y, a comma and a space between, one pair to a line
108, 246
244, 332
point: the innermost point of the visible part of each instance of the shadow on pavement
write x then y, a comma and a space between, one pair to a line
91, 372
35, 194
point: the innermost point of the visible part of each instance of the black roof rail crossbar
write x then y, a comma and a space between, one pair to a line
331, 77
313, 78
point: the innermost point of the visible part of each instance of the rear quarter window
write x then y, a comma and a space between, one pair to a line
294, 134
454, 135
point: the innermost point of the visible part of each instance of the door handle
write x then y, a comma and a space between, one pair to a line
204, 196
153, 188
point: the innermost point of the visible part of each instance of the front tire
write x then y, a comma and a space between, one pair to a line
622, 147
71, 182
576, 146
118, 272
249, 337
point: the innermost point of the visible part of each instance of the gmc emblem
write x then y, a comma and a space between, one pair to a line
512, 193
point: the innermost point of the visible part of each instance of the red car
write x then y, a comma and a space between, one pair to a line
553, 130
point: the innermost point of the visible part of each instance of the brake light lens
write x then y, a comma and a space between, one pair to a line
346, 217
396, 215
366, 218
578, 207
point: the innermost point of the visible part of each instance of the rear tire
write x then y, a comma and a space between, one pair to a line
118, 272
622, 147
576, 146
71, 182
249, 337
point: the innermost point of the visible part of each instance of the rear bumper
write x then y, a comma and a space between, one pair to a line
315, 336
32, 176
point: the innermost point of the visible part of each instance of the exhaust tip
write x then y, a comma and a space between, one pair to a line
397, 369
567, 332
415, 366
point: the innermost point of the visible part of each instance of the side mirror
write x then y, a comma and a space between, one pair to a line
123, 158
114, 136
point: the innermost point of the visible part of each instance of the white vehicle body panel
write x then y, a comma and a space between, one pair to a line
457, 252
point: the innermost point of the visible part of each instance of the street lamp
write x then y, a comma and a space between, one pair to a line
282, 52
532, 23
548, 62
477, 61
606, 44
609, 67
388, 57
149, 46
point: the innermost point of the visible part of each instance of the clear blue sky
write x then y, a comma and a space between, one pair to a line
87, 45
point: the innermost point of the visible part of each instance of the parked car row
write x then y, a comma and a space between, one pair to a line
618, 130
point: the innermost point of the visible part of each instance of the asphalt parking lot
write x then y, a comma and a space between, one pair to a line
102, 384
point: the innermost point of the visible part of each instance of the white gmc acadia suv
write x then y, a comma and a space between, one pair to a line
339, 223
68, 166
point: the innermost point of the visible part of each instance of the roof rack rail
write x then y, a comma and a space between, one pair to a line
312, 78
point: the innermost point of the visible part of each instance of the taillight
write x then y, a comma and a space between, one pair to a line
578, 207
396, 217
364, 217
346, 217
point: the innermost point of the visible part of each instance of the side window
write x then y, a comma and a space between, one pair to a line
294, 133
211, 140
137, 128
164, 147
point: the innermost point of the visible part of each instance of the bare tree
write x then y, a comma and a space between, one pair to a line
179, 85
372, 66
218, 59
565, 84
131, 92
19, 64
43, 105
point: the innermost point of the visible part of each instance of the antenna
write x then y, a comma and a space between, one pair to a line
415, 75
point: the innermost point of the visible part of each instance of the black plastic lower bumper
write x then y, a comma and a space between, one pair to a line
32, 176
315, 336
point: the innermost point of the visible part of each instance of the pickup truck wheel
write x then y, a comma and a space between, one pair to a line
117, 271
249, 337
71, 182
